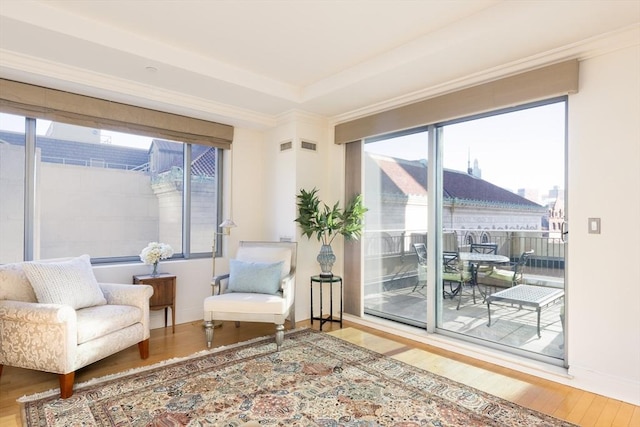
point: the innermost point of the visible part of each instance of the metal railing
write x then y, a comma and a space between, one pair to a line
548, 258
96, 163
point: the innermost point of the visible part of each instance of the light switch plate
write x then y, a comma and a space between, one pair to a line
594, 225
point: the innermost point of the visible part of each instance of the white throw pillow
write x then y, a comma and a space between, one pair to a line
14, 284
69, 282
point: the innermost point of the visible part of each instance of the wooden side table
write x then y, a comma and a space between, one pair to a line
164, 294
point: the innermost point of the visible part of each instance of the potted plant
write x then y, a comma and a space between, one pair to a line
327, 222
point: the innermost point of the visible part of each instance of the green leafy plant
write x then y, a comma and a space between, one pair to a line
327, 222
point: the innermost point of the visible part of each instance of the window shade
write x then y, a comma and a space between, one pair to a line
542, 83
50, 104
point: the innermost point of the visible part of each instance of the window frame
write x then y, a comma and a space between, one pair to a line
30, 189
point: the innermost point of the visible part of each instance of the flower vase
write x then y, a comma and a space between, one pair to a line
326, 258
154, 271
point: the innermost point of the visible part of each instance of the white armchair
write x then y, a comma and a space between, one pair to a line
58, 338
260, 287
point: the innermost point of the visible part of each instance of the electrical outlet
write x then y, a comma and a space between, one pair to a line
594, 225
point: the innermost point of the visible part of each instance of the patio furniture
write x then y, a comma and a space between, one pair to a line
456, 272
421, 252
526, 295
504, 277
450, 241
260, 287
484, 248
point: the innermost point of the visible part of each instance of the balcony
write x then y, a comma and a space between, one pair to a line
392, 290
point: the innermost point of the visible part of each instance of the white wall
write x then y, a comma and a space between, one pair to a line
603, 305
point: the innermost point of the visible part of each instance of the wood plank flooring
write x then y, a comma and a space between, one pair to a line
574, 405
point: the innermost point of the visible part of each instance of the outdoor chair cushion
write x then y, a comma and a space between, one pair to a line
455, 276
501, 274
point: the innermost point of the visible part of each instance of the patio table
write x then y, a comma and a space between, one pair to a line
481, 258
526, 295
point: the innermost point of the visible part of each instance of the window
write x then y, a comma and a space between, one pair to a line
104, 193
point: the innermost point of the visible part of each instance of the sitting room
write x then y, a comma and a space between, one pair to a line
156, 266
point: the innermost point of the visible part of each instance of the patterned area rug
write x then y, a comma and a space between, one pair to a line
315, 380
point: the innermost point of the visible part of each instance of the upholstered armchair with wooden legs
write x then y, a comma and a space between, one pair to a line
260, 287
81, 322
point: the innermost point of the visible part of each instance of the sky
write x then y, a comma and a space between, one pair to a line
522, 149
16, 124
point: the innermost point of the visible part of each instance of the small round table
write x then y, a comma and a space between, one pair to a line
330, 280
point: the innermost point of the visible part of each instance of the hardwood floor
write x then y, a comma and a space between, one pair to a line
574, 405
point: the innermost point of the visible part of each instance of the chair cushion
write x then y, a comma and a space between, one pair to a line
246, 303
68, 282
14, 284
254, 277
100, 320
499, 274
456, 276
266, 254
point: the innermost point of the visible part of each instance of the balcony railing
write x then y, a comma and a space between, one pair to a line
548, 258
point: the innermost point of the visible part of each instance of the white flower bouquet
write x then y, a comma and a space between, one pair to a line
154, 252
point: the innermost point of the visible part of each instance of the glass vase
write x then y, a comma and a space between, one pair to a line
154, 270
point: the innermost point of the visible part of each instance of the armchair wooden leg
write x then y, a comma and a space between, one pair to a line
143, 346
66, 384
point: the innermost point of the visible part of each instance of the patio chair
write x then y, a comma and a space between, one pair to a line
421, 251
456, 273
484, 248
450, 241
505, 277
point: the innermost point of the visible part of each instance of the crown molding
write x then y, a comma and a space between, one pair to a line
583, 50
38, 71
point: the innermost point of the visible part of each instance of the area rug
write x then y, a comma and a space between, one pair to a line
315, 380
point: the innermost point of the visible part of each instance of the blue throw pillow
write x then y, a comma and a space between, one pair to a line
254, 277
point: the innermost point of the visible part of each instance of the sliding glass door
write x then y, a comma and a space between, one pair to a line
503, 210
396, 196
498, 213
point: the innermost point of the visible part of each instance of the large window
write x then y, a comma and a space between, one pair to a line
68, 190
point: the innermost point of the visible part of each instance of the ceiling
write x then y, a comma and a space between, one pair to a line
255, 60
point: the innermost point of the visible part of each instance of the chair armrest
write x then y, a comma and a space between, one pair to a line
38, 336
217, 283
286, 284
124, 294
32, 312
136, 295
